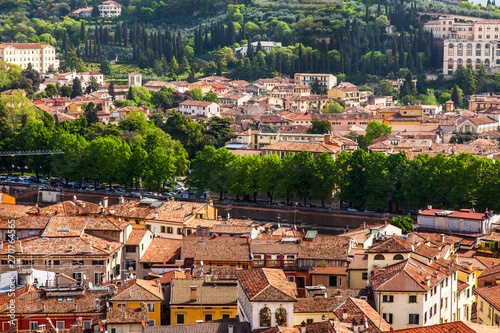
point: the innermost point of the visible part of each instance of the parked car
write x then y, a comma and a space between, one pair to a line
350, 209
118, 190
149, 193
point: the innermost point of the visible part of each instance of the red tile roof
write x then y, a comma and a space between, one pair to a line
394, 244
357, 310
224, 248
453, 327
265, 284
462, 214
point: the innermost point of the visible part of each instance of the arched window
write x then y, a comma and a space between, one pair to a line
379, 257
469, 62
487, 63
451, 51
280, 315
460, 63
265, 317
469, 49
460, 50
478, 63
487, 50
398, 257
498, 61
478, 50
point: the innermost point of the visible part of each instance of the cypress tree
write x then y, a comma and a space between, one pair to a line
125, 34
83, 32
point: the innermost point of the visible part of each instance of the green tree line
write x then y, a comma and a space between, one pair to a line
364, 180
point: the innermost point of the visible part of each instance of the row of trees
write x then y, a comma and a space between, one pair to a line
365, 180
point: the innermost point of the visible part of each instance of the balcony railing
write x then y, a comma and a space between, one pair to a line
274, 263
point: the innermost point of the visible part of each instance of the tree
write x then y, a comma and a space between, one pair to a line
316, 87
470, 82
70, 61
91, 114
66, 91
211, 97
95, 11
105, 67
77, 88
19, 110
408, 88
323, 177
268, 175
375, 130
111, 91
333, 107
404, 223
218, 131
385, 88
188, 132
457, 96
320, 126
51, 90
93, 85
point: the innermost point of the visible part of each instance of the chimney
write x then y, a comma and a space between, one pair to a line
121, 200
105, 202
17, 246
442, 238
230, 328
469, 266
429, 206
88, 245
193, 293
328, 139
111, 211
344, 314
156, 215
303, 327
194, 211
143, 306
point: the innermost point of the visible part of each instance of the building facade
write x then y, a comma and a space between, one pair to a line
40, 56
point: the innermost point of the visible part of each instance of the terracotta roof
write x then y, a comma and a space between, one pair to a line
453, 327
140, 290
360, 261
330, 270
358, 309
123, 315
26, 223
268, 244
327, 247
231, 229
65, 246
426, 251
35, 301
136, 236
461, 285
206, 293
166, 277
313, 147
316, 304
408, 275
22, 45
162, 250
223, 248
462, 213
394, 244
68, 208
433, 238
490, 270
103, 223
265, 284
14, 211
494, 237
196, 103
207, 327
66, 226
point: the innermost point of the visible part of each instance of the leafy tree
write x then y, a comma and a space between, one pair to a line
333, 107
211, 97
134, 122
95, 11
408, 88
105, 67
77, 88
159, 167
163, 99
457, 96
66, 91
197, 95
19, 110
404, 223
268, 175
188, 132
386, 88
323, 177
375, 130
320, 126
218, 132
70, 62
111, 91
51, 90
93, 85
470, 82
91, 114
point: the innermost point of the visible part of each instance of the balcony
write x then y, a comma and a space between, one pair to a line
274, 263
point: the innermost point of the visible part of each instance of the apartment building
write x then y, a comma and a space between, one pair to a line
40, 56
110, 9
199, 108
326, 81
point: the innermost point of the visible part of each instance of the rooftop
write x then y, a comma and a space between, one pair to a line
265, 284
224, 248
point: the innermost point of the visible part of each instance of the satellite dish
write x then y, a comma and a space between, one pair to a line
90, 285
201, 263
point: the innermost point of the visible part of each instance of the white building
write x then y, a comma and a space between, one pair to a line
135, 79
110, 9
199, 108
265, 298
40, 56
462, 221
85, 78
326, 81
265, 45
82, 12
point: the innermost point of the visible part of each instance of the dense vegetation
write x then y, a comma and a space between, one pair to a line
362, 179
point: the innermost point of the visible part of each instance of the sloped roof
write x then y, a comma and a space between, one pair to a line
358, 309
326, 247
265, 284
224, 248
316, 304
206, 293
162, 250
490, 270
124, 315
394, 244
140, 290
453, 327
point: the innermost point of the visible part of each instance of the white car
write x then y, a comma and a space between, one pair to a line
352, 209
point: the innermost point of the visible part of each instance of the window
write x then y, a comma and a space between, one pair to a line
77, 262
435, 308
60, 325
387, 298
413, 320
379, 257
180, 318
398, 257
77, 277
162, 229
33, 325
122, 305
425, 297
413, 299
280, 315
180, 231
387, 317
97, 278
151, 323
151, 307
86, 325
130, 248
332, 281
425, 317
364, 276
225, 316
28, 262
481, 307
265, 317
208, 317
97, 262
497, 319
